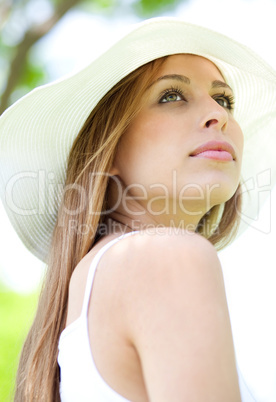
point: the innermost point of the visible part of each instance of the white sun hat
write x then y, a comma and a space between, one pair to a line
37, 132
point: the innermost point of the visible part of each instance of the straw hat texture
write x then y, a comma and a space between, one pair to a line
37, 132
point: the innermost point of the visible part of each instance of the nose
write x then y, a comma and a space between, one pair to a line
215, 116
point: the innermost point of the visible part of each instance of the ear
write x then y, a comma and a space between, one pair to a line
114, 171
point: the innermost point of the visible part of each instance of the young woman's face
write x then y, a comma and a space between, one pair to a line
184, 146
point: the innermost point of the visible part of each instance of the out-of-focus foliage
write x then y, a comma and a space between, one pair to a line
24, 22
16, 314
148, 8
32, 74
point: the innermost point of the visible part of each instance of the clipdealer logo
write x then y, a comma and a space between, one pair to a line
48, 193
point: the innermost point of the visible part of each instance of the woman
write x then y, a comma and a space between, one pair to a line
152, 150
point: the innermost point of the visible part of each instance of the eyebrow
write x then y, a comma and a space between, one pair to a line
186, 80
178, 77
221, 84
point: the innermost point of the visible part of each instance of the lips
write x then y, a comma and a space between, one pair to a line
217, 150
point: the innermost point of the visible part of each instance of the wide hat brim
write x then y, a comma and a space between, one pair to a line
37, 132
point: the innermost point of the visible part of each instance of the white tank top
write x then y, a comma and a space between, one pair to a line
79, 377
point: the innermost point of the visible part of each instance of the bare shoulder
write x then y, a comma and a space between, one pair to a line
149, 253
162, 257
145, 257
164, 271
157, 242
165, 296
176, 316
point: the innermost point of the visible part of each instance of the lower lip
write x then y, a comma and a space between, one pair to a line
215, 155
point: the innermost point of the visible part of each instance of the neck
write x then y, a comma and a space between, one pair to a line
138, 213
120, 221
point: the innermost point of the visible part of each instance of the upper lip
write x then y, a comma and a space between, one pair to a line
215, 146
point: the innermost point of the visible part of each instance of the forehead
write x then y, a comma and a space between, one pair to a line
191, 66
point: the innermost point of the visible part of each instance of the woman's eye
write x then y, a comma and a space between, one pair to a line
171, 97
222, 102
226, 102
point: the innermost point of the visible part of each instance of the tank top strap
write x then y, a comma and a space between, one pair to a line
92, 270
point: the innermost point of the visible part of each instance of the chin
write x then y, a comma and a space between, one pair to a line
204, 196
222, 194
220, 186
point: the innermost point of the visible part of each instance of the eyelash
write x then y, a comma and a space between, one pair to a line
169, 91
175, 90
229, 98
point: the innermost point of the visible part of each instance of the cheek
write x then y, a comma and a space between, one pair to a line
237, 138
240, 142
239, 135
156, 133
145, 137
152, 128
145, 151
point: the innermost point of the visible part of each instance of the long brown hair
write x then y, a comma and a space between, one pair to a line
91, 157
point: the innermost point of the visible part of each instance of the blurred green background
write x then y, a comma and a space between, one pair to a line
16, 313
